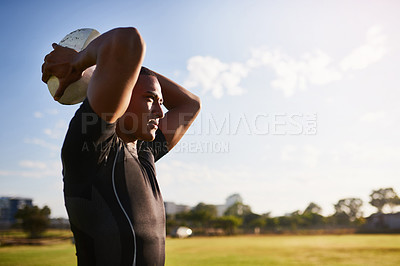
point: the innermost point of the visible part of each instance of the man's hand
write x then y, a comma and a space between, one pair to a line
118, 55
60, 63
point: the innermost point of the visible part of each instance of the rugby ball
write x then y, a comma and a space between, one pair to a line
75, 92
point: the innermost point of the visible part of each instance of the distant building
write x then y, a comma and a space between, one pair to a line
9, 207
231, 200
172, 208
389, 221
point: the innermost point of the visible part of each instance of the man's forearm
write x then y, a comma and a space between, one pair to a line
175, 95
183, 107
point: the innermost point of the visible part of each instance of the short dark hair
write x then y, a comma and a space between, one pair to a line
147, 72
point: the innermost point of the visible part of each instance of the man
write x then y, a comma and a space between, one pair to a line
111, 192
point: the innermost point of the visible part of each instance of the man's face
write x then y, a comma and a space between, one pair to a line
140, 120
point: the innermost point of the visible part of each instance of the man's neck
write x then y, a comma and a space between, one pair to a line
128, 139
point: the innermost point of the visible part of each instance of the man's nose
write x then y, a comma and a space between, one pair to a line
158, 111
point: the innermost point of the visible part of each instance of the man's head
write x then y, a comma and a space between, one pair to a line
140, 120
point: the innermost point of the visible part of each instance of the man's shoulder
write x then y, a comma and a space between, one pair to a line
87, 132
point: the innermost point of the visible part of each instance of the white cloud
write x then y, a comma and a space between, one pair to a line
37, 169
291, 74
287, 152
373, 155
42, 143
306, 155
370, 52
38, 114
52, 111
211, 74
58, 130
372, 117
311, 156
33, 164
177, 73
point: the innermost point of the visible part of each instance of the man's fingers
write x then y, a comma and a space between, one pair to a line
46, 72
59, 92
45, 77
44, 67
54, 45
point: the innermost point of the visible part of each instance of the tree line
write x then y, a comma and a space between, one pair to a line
239, 217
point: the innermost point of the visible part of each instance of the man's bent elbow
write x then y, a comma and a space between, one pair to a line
196, 103
128, 40
132, 36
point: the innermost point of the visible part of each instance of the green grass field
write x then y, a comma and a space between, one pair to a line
240, 250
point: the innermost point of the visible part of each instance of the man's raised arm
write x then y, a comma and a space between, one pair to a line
118, 56
183, 107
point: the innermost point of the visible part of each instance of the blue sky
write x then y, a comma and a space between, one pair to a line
300, 98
